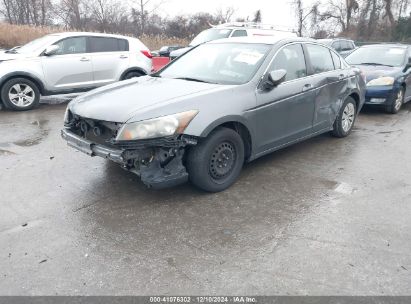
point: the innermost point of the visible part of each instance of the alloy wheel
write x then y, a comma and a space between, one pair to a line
348, 117
399, 100
22, 95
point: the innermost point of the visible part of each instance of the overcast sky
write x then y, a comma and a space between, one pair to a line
278, 12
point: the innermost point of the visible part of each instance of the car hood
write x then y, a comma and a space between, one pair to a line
121, 101
372, 72
10, 56
180, 52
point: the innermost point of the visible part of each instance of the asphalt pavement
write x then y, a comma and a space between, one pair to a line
324, 217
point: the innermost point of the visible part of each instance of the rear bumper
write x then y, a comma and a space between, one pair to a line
153, 174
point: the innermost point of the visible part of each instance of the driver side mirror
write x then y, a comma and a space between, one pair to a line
274, 79
51, 50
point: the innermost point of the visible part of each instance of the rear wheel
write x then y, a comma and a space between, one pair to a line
395, 107
344, 122
215, 163
20, 94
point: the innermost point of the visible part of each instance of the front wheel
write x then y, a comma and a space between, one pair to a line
20, 94
215, 163
344, 122
395, 107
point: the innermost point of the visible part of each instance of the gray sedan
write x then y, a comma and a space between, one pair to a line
221, 104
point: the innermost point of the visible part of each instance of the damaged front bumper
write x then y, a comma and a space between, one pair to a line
159, 163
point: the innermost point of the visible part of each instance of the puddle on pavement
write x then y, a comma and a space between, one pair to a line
6, 152
36, 138
344, 188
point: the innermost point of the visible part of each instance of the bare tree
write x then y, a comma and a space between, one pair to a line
303, 14
340, 11
257, 16
145, 9
106, 14
225, 15
73, 13
403, 7
388, 12
33, 12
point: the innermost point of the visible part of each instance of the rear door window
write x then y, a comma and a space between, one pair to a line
122, 45
103, 44
320, 58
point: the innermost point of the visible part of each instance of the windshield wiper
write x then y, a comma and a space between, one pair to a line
193, 79
11, 52
375, 63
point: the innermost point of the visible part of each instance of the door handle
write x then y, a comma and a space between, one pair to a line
307, 87
84, 59
341, 76
123, 56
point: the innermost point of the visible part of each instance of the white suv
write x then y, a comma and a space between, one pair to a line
67, 63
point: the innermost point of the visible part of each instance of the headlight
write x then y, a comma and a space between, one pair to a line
382, 81
67, 116
157, 127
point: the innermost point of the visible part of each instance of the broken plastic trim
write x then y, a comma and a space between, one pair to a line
158, 176
158, 162
175, 141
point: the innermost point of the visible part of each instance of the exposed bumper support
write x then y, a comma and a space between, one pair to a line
152, 174
92, 149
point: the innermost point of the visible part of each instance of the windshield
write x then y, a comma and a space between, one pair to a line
378, 55
209, 35
222, 63
35, 44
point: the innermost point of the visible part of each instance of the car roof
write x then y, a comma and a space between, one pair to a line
399, 45
262, 40
74, 34
333, 39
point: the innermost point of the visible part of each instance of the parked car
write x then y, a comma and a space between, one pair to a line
343, 46
235, 29
67, 63
161, 57
12, 50
387, 68
166, 50
223, 103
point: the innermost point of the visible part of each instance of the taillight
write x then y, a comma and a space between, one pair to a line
147, 53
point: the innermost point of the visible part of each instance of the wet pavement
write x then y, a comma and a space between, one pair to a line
325, 217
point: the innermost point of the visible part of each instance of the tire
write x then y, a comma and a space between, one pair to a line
395, 107
345, 120
132, 74
223, 147
29, 98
